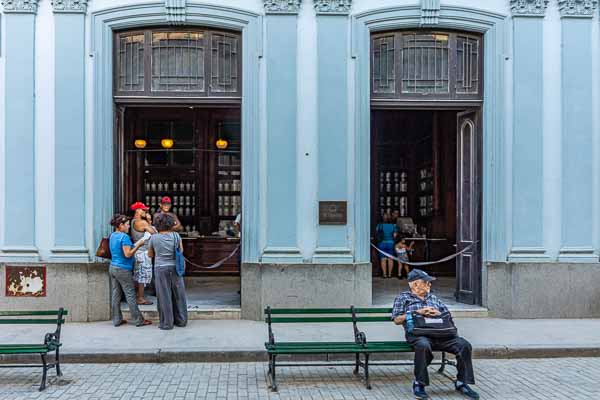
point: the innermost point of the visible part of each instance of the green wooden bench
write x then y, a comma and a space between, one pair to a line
360, 346
51, 340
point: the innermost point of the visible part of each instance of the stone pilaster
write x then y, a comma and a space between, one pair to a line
282, 91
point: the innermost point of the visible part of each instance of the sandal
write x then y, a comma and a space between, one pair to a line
145, 323
145, 303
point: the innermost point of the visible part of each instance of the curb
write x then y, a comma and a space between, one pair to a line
201, 356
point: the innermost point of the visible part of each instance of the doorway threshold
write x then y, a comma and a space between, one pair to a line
386, 290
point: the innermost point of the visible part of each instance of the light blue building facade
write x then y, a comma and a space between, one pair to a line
305, 117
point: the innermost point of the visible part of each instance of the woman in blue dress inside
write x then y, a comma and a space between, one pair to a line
386, 233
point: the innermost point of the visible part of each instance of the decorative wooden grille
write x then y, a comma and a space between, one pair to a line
224, 76
426, 65
131, 63
467, 74
177, 63
384, 77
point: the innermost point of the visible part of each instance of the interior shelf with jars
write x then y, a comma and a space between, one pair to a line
193, 156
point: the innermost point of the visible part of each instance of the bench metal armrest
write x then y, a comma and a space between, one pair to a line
360, 338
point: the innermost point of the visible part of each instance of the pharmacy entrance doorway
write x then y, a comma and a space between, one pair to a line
426, 193
190, 158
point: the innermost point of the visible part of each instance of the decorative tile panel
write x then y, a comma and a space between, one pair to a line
430, 12
333, 6
20, 6
528, 7
577, 8
70, 6
175, 11
282, 6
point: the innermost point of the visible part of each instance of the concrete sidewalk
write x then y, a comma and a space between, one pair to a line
241, 340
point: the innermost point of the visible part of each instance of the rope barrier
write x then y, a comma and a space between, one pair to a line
217, 264
423, 263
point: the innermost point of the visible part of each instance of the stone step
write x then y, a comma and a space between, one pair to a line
477, 312
193, 313
151, 313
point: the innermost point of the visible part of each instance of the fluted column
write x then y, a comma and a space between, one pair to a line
281, 64
332, 98
577, 143
19, 143
528, 130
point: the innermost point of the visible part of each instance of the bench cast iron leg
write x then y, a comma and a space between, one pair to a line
367, 382
57, 361
273, 377
357, 364
45, 366
444, 362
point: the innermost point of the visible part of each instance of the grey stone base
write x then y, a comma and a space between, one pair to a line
303, 285
83, 289
543, 290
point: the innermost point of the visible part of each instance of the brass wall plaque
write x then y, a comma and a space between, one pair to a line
333, 213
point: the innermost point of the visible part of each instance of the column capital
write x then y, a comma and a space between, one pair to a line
20, 6
577, 8
282, 6
70, 6
340, 7
528, 8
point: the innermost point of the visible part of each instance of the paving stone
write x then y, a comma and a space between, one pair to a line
537, 379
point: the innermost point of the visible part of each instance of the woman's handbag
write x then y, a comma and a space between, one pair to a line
103, 250
441, 326
179, 260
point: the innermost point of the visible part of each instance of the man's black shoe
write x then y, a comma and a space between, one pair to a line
419, 391
465, 390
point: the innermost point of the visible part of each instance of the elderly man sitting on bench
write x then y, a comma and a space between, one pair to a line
419, 300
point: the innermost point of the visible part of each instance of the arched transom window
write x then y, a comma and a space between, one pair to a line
183, 62
426, 65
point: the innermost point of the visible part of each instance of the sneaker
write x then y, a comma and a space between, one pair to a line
465, 390
419, 391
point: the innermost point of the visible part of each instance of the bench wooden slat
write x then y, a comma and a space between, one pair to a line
32, 313
340, 350
383, 318
309, 311
31, 321
373, 310
291, 320
25, 351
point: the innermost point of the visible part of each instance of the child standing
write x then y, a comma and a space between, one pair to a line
402, 251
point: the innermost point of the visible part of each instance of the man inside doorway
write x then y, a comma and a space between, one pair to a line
141, 228
419, 300
165, 207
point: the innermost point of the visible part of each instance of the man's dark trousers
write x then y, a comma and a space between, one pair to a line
423, 347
